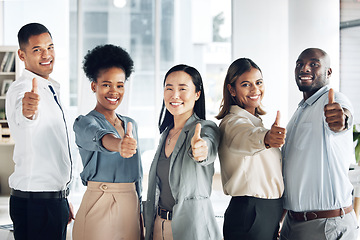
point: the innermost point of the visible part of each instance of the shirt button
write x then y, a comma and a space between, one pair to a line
104, 187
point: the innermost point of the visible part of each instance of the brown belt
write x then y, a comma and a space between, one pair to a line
307, 216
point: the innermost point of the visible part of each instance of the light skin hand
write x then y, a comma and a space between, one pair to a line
275, 137
30, 101
198, 145
71, 213
335, 114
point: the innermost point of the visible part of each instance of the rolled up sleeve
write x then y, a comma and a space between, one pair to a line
89, 134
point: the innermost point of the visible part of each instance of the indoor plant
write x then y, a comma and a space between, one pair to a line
356, 134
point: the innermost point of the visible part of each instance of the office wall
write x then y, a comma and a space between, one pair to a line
54, 15
313, 24
261, 34
274, 34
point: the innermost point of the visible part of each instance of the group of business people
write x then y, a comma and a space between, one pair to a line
306, 179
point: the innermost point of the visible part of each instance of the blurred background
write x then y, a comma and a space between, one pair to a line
206, 34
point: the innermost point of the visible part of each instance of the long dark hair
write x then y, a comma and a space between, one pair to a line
236, 69
166, 118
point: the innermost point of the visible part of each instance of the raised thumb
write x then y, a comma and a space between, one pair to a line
331, 96
197, 131
129, 129
34, 86
277, 119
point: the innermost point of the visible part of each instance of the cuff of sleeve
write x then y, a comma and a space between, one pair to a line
24, 121
192, 157
261, 135
349, 122
98, 138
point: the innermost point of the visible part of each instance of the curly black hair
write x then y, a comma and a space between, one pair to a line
104, 57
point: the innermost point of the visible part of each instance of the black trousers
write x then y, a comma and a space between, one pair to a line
250, 218
39, 219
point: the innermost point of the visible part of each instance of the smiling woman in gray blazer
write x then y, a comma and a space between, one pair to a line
178, 202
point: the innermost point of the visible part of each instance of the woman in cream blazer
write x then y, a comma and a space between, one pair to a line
249, 156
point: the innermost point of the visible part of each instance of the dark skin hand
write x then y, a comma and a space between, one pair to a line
335, 115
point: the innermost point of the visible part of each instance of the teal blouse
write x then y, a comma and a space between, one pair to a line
100, 164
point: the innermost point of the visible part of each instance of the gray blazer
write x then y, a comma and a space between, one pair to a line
190, 183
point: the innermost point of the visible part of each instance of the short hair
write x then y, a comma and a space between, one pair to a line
326, 56
28, 30
236, 69
166, 118
104, 57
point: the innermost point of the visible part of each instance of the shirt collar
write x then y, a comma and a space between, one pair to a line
100, 115
242, 112
311, 100
41, 81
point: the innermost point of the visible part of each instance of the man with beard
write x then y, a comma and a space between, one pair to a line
317, 155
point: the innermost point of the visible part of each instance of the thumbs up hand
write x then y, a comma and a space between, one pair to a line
334, 114
198, 145
275, 137
30, 101
128, 144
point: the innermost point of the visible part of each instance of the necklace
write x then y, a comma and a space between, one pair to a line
169, 138
115, 120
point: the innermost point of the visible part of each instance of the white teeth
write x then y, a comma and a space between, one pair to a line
254, 97
112, 99
45, 63
176, 104
305, 78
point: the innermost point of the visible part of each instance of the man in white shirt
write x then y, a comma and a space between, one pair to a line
316, 157
39, 185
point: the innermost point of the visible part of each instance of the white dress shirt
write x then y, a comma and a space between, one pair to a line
41, 153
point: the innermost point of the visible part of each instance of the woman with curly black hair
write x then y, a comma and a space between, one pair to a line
107, 141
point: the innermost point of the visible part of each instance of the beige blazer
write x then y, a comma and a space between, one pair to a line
247, 167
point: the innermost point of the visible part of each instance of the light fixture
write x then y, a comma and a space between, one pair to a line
119, 3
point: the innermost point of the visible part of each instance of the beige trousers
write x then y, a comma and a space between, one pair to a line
162, 229
108, 211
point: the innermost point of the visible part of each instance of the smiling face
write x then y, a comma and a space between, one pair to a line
248, 90
312, 71
109, 89
38, 55
180, 94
